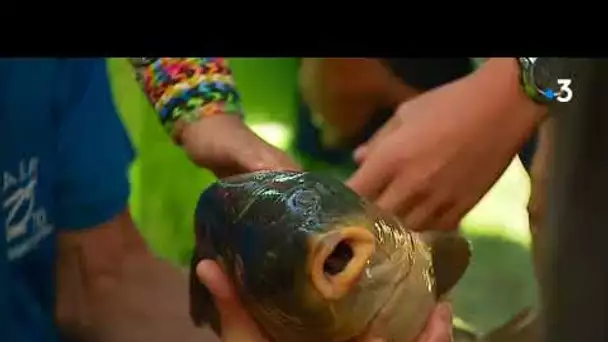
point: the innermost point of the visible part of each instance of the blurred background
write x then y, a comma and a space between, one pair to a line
166, 186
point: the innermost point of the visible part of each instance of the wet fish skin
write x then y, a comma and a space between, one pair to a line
276, 233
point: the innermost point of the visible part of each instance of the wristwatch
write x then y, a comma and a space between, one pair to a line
538, 79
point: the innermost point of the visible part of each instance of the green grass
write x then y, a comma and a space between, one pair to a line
500, 280
166, 186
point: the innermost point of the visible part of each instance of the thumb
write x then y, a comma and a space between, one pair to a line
372, 176
439, 325
392, 125
212, 276
236, 324
360, 153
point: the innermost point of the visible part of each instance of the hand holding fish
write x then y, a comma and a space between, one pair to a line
226, 146
439, 325
311, 261
198, 102
238, 326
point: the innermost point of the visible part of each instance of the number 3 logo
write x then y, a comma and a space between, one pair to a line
565, 92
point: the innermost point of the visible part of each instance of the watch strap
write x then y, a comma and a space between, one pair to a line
528, 83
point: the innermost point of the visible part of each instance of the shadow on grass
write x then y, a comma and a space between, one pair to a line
498, 284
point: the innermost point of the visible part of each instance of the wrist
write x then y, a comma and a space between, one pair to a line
509, 116
207, 140
502, 78
193, 133
183, 91
193, 120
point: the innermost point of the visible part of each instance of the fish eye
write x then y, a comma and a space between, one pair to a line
304, 200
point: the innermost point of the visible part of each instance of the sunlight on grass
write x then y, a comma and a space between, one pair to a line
501, 271
459, 323
502, 211
275, 133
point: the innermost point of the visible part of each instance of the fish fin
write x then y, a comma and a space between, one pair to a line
451, 255
523, 327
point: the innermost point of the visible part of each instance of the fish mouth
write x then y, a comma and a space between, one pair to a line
338, 260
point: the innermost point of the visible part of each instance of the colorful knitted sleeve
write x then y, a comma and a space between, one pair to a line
184, 90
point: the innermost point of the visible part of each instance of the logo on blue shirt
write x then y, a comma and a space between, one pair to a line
25, 221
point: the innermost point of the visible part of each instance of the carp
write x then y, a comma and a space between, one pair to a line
314, 262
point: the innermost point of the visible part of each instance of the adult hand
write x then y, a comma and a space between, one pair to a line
443, 150
438, 327
226, 146
238, 326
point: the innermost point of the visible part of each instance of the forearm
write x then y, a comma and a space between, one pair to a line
148, 302
344, 94
112, 289
184, 90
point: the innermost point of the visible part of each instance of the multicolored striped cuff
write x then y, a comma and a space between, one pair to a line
187, 89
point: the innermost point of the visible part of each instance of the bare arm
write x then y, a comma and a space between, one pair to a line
460, 137
197, 102
344, 93
184, 90
111, 288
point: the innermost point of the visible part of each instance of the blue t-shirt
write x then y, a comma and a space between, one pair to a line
64, 158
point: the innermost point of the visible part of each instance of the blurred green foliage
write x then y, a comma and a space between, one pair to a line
166, 187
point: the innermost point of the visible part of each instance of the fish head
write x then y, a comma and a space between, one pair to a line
311, 260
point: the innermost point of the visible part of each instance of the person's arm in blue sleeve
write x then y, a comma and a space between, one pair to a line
197, 101
109, 285
94, 149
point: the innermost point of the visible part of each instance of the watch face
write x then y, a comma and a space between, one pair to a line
546, 72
